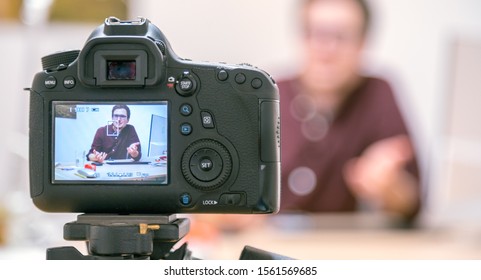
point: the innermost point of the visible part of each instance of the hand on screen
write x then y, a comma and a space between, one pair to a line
98, 157
133, 149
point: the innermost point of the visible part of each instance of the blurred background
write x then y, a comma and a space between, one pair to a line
430, 51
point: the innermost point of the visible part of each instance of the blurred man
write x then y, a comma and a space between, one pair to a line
344, 141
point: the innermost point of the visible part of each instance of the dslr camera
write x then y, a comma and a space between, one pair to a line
126, 126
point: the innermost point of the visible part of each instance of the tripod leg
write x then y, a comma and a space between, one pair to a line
66, 253
163, 251
251, 253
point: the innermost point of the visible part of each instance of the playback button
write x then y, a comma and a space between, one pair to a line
186, 129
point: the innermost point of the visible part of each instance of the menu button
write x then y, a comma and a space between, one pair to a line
50, 82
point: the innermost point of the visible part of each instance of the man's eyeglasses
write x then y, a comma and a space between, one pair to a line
116, 116
337, 35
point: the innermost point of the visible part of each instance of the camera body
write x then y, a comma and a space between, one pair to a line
126, 126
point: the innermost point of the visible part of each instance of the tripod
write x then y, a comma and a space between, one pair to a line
134, 237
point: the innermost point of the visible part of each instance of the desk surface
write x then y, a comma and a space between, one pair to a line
108, 172
344, 238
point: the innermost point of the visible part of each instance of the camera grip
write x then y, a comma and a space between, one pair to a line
270, 131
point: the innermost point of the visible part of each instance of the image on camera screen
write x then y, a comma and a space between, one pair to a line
122, 142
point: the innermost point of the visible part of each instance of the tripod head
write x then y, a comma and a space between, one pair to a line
135, 237
124, 237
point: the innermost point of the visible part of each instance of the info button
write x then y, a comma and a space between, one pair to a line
69, 82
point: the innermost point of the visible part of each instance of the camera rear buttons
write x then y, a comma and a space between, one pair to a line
206, 164
240, 78
222, 75
186, 129
50, 82
256, 83
185, 199
185, 109
69, 82
186, 84
207, 120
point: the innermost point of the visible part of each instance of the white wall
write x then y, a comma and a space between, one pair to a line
256, 32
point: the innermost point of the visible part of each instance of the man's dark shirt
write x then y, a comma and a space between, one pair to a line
115, 146
368, 115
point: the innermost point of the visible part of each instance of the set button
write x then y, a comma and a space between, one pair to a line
206, 164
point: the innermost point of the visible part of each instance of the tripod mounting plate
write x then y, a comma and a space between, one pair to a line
123, 236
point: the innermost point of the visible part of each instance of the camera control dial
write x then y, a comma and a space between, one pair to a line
206, 164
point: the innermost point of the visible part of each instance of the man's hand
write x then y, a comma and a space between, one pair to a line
133, 149
379, 175
98, 157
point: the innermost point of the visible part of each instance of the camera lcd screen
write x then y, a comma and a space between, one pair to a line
121, 70
122, 142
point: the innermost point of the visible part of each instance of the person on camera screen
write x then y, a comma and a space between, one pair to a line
117, 140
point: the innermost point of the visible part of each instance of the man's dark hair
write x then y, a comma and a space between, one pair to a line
121, 107
365, 10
